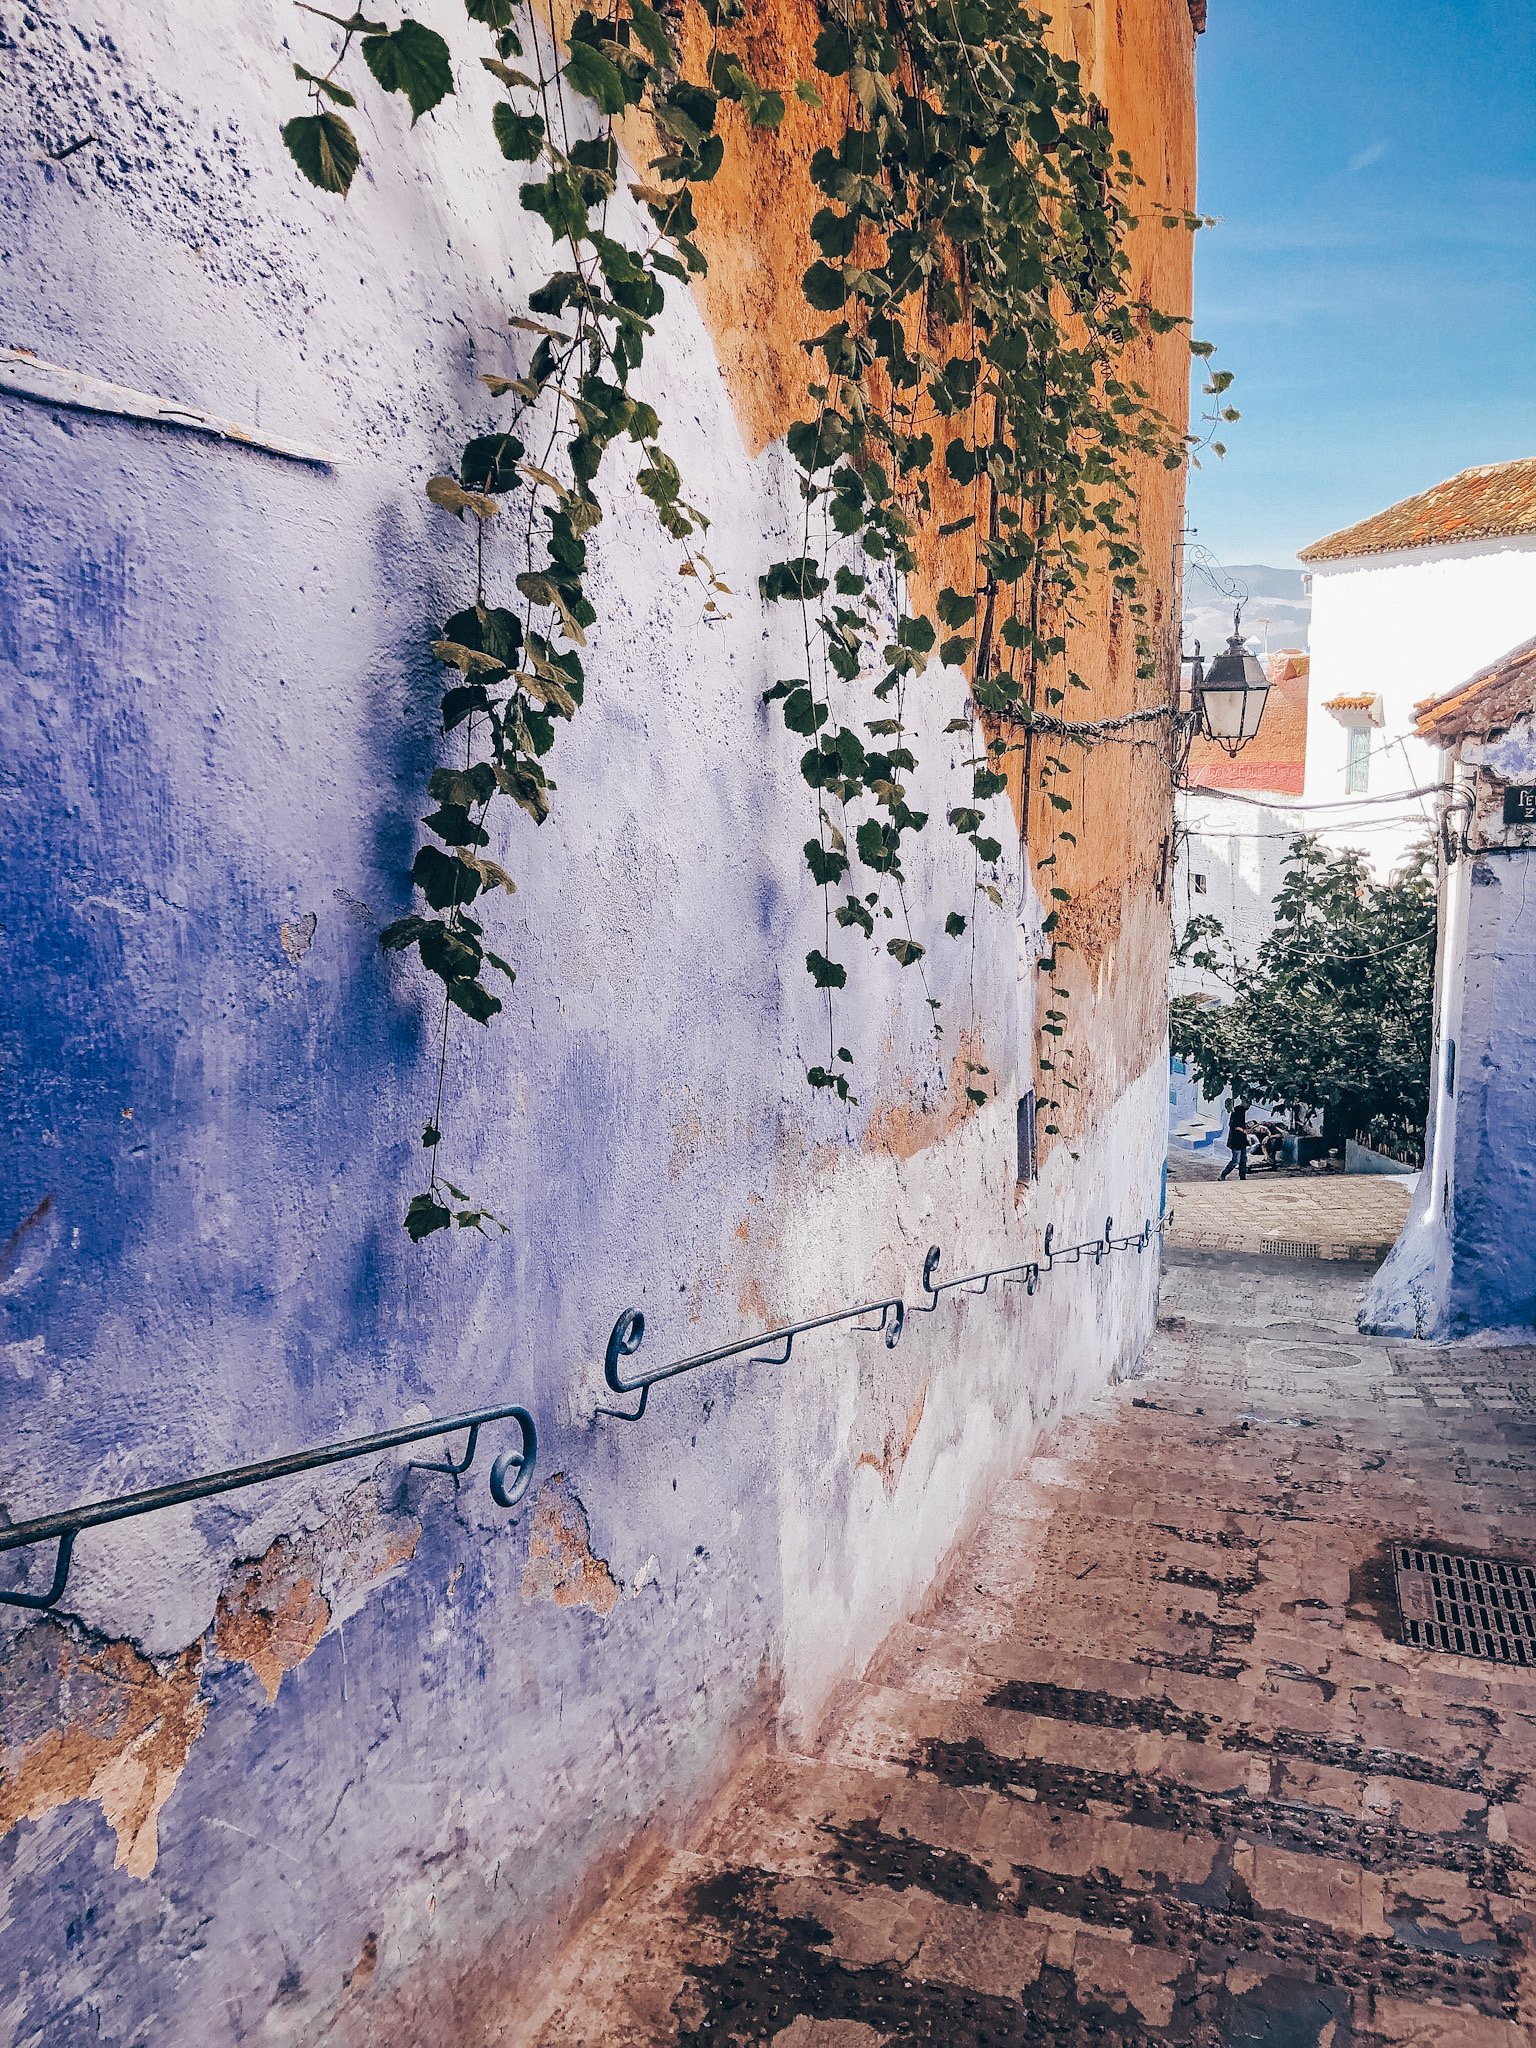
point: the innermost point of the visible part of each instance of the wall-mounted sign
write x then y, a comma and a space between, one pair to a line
1520, 803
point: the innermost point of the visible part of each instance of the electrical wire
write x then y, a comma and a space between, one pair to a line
1345, 803
1355, 959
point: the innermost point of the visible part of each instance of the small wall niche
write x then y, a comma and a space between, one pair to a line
1028, 1157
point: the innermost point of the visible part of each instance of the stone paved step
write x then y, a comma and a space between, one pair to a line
1152, 1766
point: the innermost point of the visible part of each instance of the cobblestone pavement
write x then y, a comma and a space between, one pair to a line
1152, 1766
1324, 1216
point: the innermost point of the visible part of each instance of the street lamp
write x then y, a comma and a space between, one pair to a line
1231, 694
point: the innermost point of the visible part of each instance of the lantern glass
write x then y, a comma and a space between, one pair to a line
1233, 710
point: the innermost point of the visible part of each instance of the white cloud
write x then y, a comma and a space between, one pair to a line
1371, 154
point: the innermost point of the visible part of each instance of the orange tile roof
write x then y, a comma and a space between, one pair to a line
1477, 504
1276, 761
1352, 703
1500, 498
1488, 702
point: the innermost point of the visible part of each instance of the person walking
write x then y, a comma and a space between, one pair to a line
1237, 1142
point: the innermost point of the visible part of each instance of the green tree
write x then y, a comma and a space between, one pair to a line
1334, 1015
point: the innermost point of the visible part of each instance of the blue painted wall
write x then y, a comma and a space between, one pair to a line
217, 723
1466, 1261
1493, 1275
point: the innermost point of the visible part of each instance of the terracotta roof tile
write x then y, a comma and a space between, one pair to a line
1363, 703
1477, 504
1488, 702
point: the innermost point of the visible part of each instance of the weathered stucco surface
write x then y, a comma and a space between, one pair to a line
1466, 1261
321, 1761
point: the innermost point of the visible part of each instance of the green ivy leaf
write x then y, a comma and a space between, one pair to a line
824, 972
520, 137
651, 34
337, 94
325, 150
473, 999
493, 13
405, 931
954, 924
907, 952
825, 865
591, 74
490, 463
824, 287
424, 1215
412, 60
444, 881
803, 714
800, 578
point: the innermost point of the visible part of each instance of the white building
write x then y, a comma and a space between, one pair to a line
1403, 603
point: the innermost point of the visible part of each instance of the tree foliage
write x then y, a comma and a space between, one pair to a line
1334, 1016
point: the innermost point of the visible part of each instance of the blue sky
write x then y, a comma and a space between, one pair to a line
1372, 281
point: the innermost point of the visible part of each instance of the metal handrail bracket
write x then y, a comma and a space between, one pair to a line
629, 1331
1025, 1275
510, 1477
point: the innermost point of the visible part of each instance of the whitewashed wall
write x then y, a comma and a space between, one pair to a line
1406, 625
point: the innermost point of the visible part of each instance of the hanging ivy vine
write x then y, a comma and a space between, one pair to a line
971, 431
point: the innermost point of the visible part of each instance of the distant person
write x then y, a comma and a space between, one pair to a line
1237, 1142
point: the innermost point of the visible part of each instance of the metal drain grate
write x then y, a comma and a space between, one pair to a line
1474, 1606
1290, 1248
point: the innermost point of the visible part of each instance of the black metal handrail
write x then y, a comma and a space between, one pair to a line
1072, 1254
510, 1477
629, 1330
1027, 1274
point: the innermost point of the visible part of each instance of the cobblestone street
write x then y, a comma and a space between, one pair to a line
1153, 1766
1327, 1216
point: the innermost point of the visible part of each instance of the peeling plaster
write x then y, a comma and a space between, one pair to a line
561, 1566
893, 1455
906, 1127
86, 1719
297, 938
275, 1608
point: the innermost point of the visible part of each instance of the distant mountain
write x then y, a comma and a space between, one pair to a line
1277, 613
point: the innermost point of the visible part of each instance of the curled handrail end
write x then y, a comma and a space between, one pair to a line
519, 1463
624, 1341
